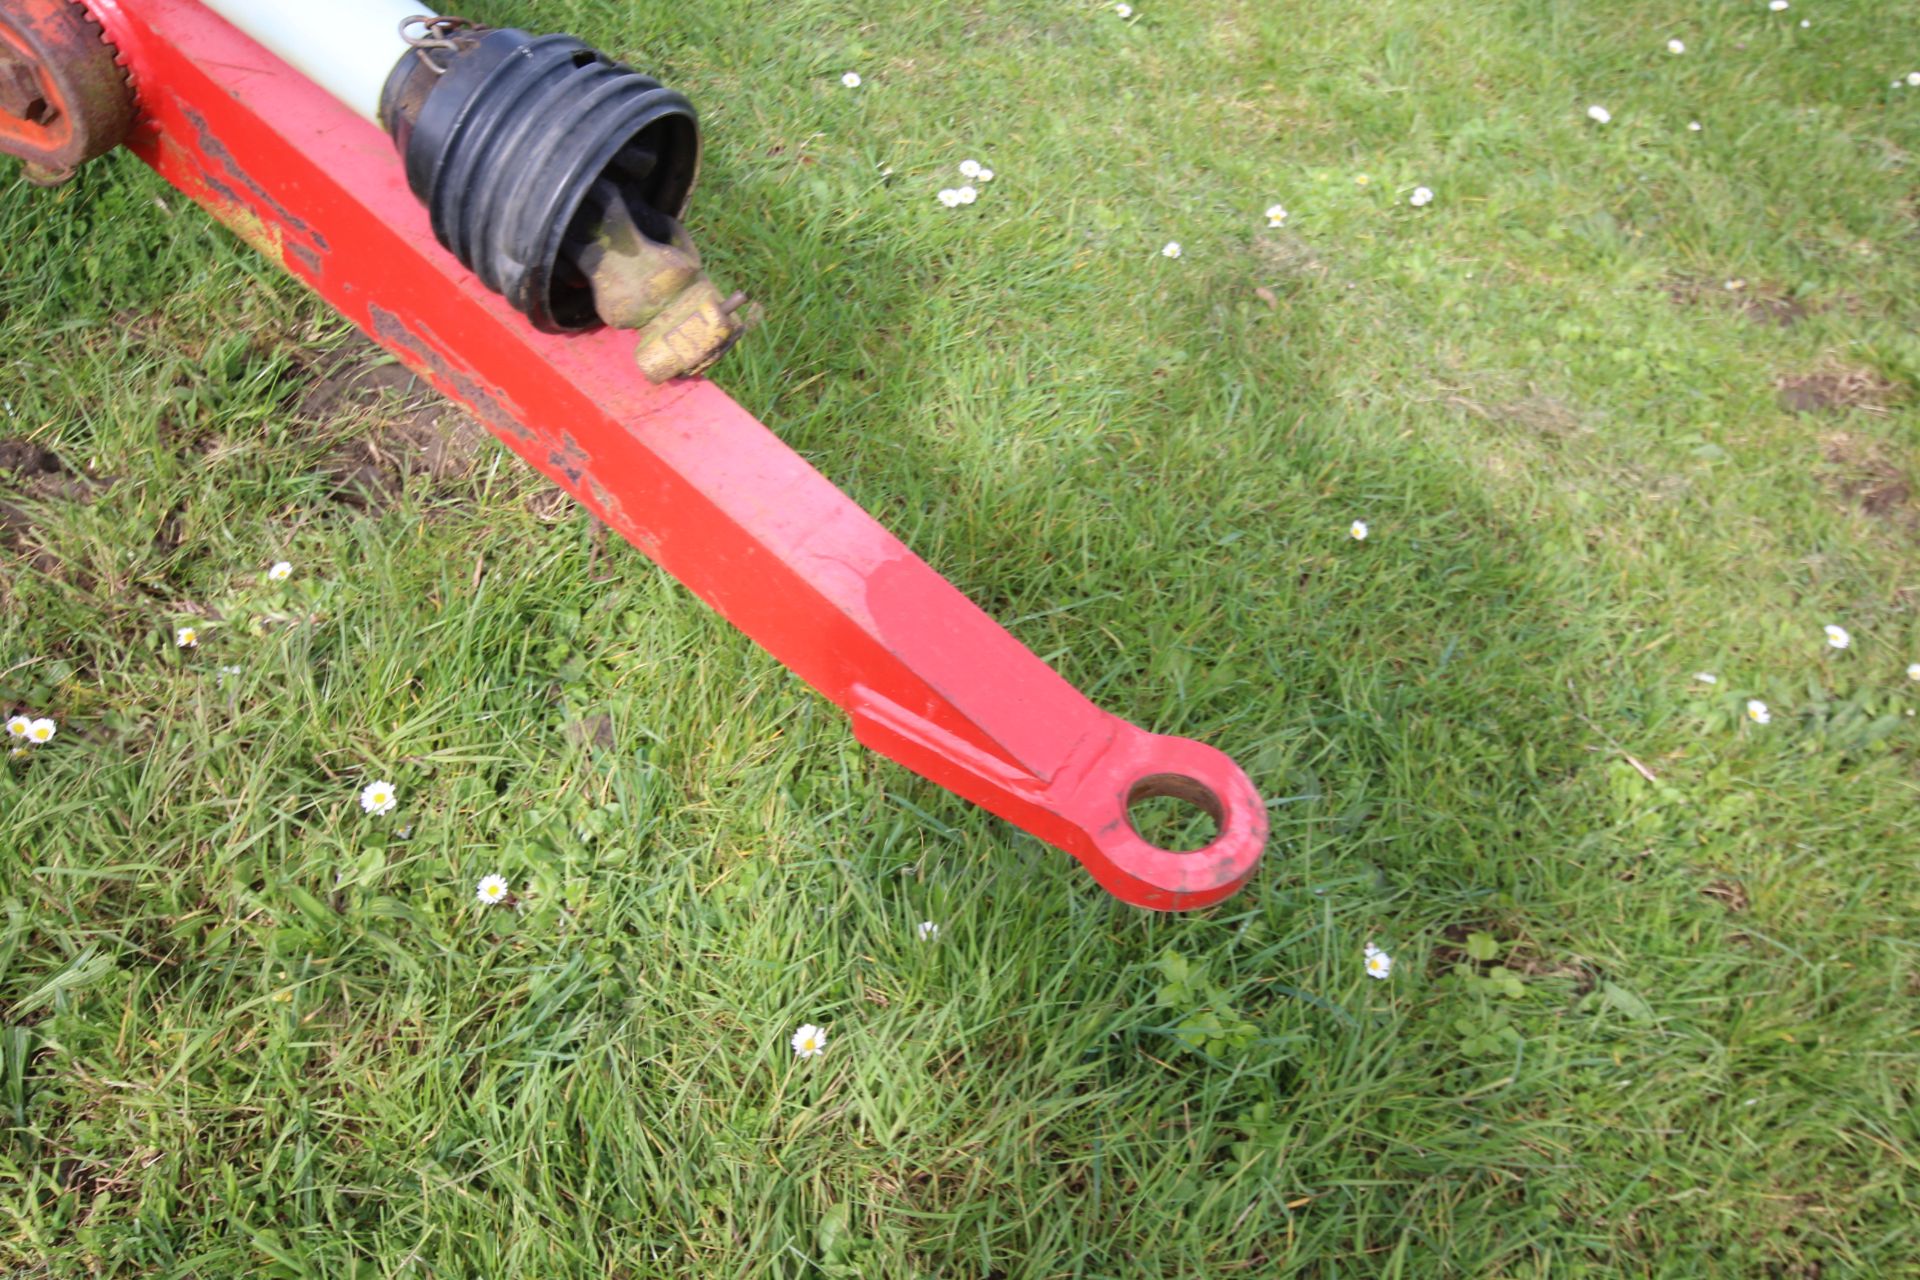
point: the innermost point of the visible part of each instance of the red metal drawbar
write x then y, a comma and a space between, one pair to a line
679, 470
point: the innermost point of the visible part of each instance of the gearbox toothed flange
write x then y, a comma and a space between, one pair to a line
64, 98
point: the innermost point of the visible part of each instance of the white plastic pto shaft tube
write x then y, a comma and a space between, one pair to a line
347, 47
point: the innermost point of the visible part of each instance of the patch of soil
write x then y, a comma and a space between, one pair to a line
31, 473
356, 375
414, 433
1534, 414
1758, 302
25, 458
1730, 894
1860, 470
1836, 390
435, 440
551, 505
1289, 256
592, 731
1521, 959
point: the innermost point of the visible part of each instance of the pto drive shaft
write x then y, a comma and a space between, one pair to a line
556, 175
559, 178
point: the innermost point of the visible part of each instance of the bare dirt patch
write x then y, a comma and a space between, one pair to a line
1532, 414
1521, 958
412, 430
590, 731
1759, 302
1730, 894
1864, 472
1836, 391
31, 473
1287, 256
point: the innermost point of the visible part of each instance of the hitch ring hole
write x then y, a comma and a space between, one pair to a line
1176, 813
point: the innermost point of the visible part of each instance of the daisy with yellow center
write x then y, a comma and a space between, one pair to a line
491, 891
280, 572
1379, 963
1358, 530
17, 727
379, 797
187, 637
40, 732
1757, 711
809, 1041
1837, 637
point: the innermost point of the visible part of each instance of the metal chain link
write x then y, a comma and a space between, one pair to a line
436, 33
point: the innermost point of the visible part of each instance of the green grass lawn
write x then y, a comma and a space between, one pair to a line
1625, 403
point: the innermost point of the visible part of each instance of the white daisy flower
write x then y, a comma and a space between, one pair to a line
1757, 711
966, 195
491, 891
1599, 114
969, 168
379, 797
1676, 46
1421, 196
928, 931
1693, 126
1913, 79
1358, 530
1172, 249
949, 197
17, 726
187, 637
280, 572
1913, 671
1837, 636
1379, 963
1276, 215
985, 175
1778, 6
1706, 677
851, 79
1805, 23
1124, 10
809, 1041
40, 732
